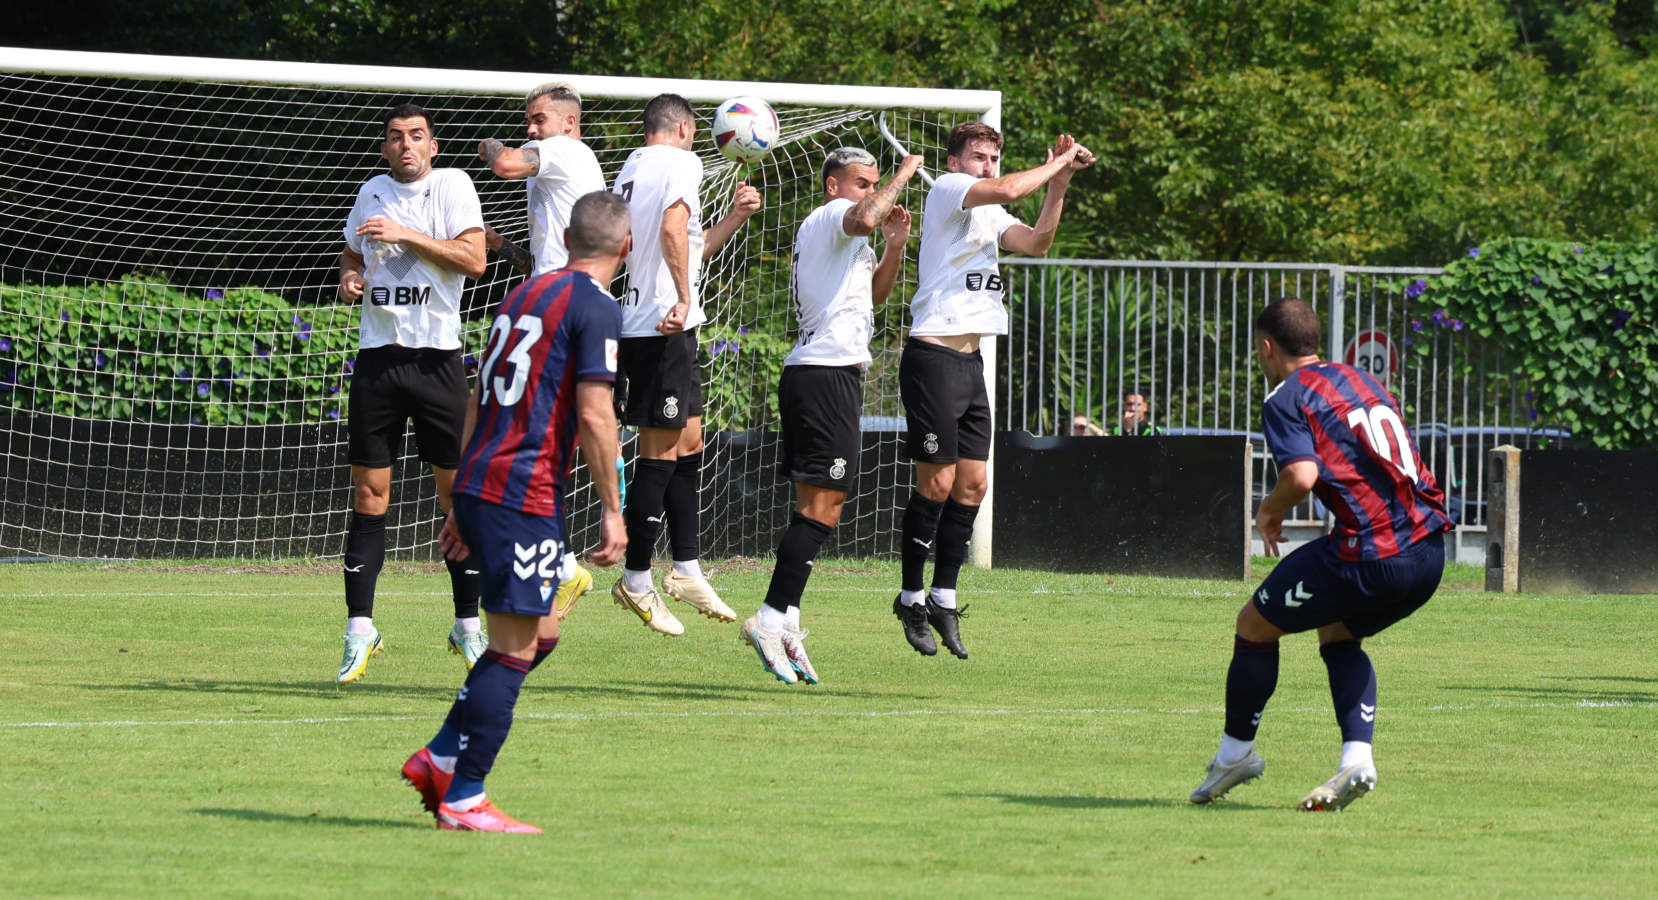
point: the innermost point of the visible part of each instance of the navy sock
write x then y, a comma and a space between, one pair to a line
1352, 689
644, 510
955, 526
543, 646
365, 554
683, 503
464, 583
920, 528
482, 715
795, 553
1250, 682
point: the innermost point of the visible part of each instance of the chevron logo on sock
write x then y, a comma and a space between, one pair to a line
1256, 719
1367, 713
463, 740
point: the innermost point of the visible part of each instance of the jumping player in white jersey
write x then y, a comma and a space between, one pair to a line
836, 282
941, 375
412, 237
557, 169
660, 314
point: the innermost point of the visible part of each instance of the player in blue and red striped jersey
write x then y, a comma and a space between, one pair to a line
547, 377
1336, 432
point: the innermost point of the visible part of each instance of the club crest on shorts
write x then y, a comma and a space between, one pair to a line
546, 591
670, 408
929, 442
838, 470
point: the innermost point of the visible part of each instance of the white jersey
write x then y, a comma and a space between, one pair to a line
832, 279
569, 171
961, 286
407, 300
654, 178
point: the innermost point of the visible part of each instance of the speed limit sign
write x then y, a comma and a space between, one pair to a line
1372, 351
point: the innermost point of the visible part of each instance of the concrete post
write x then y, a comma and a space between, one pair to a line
1502, 552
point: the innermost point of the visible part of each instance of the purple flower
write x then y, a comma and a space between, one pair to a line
471, 360
295, 319
305, 331
333, 389
215, 294
5, 345
98, 359
1606, 271
1415, 288
351, 363
743, 330
1530, 409
1415, 324
203, 389
240, 373
722, 346
1620, 317
1439, 317
1473, 253
64, 316
333, 414
261, 351
10, 379
1536, 279
1407, 342
1456, 324
1576, 249
194, 421
183, 374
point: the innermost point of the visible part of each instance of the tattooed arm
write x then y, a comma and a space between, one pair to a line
872, 211
510, 162
520, 258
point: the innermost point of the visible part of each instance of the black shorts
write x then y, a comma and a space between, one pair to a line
664, 383
819, 406
391, 385
945, 402
1313, 587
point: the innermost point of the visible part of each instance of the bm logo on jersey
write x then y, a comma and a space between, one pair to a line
399, 295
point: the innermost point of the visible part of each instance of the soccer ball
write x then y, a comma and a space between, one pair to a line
745, 129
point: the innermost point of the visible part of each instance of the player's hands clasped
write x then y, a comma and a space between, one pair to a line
895, 228
384, 230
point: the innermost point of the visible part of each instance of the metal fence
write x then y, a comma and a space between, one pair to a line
1086, 332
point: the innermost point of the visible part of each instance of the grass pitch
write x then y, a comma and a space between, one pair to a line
175, 730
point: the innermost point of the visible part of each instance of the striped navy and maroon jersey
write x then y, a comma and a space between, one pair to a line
551, 332
1370, 473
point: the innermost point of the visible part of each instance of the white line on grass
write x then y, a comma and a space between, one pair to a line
814, 714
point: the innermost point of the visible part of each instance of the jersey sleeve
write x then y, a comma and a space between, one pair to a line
1004, 220
597, 322
352, 221
684, 181
458, 207
949, 192
1288, 435
555, 162
835, 213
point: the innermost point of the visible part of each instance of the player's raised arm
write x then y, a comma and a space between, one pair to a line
1037, 240
744, 205
509, 162
873, 210
1017, 186
896, 230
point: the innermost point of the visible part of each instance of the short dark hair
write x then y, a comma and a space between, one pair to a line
406, 111
665, 111
967, 132
1292, 324
599, 223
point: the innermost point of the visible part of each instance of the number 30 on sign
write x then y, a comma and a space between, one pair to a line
1372, 351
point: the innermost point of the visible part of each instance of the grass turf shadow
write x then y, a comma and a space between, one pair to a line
312, 818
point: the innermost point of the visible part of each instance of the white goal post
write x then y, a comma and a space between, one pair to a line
173, 360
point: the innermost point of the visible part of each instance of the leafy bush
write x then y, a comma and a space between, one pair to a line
141, 350
1576, 323
743, 366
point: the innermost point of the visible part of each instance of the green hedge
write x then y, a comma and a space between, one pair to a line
1575, 321
140, 350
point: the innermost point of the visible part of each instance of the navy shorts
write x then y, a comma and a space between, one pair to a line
518, 555
1312, 587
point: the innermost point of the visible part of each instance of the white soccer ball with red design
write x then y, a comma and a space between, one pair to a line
745, 129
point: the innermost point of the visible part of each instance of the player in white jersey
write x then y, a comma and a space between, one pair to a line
557, 169
941, 375
412, 239
660, 313
836, 283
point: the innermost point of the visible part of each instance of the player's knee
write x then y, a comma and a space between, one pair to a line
1252, 626
371, 499
936, 488
970, 492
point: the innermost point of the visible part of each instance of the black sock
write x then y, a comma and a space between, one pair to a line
920, 527
795, 552
644, 510
365, 554
1250, 682
543, 647
463, 581
955, 526
682, 503
1352, 689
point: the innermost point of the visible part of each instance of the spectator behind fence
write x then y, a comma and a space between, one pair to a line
1136, 418
1082, 426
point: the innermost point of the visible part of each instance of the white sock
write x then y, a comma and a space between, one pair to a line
469, 625
912, 598
944, 598
770, 619
793, 616
690, 568
637, 582
1356, 753
444, 764
569, 566
1232, 751
468, 803
359, 625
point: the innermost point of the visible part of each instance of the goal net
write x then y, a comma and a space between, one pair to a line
175, 364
